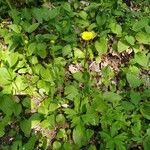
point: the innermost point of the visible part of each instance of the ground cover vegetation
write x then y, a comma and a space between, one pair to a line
74, 75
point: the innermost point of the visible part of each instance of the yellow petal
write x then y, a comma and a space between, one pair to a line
86, 35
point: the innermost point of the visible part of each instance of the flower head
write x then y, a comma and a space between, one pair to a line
88, 35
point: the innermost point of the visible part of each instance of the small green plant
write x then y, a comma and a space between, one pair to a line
74, 75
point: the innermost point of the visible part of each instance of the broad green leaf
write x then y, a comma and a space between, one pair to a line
44, 107
21, 83
122, 46
60, 119
145, 110
6, 76
35, 119
31, 49
41, 50
142, 59
53, 107
130, 39
115, 28
17, 108
48, 122
143, 38
100, 19
56, 145
7, 105
83, 15
25, 126
46, 74
32, 27
101, 46
12, 59
78, 53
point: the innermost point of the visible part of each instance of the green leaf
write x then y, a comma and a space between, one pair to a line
6, 76
142, 59
122, 46
41, 50
71, 92
145, 110
12, 59
116, 28
81, 135
67, 50
56, 145
44, 107
25, 126
112, 97
32, 27
31, 49
30, 144
78, 53
17, 109
7, 105
100, 19
49, 122
146, 143
53, 13
91, 119
135, 97
46, 74
133, 80
137, 26
15, 28
83, 15
101, 46
130, 39
143, 38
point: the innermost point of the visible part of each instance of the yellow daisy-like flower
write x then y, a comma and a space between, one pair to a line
87, 35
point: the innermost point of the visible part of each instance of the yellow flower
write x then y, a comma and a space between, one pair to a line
86, 35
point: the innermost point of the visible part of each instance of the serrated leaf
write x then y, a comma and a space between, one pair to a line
145, 110
78, 135
137, 26
32, 27
71, 92
133, 80
15, 28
